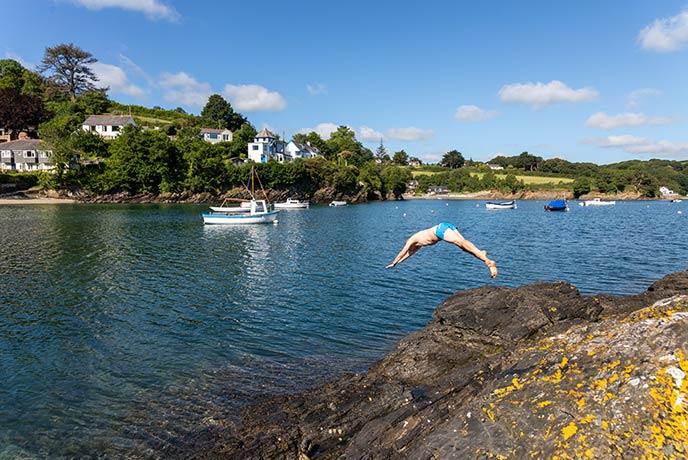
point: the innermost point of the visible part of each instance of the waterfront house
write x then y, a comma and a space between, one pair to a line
666, 191
296, 150
25, 155
412, 186
107, 126
266, 146
216, 135
437, 189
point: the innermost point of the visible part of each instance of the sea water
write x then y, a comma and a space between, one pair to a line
126, 328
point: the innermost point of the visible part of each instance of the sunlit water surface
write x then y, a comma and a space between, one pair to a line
125, 328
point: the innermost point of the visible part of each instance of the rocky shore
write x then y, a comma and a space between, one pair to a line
537, 372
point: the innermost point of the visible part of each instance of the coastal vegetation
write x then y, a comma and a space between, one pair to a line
164, 153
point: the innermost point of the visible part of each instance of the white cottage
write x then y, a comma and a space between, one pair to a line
216, 135
107, 126
266, 146
296, 150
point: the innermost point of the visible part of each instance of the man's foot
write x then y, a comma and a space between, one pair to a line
492, 265
390, 265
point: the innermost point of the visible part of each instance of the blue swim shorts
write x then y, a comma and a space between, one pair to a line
442, 228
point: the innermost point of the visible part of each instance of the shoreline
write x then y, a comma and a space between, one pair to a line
24, 199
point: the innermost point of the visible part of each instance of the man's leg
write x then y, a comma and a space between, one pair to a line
453, 236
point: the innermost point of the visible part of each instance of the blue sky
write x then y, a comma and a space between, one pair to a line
599, 81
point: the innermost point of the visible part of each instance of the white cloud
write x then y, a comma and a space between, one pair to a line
642, 146
539, 95
316, 89
184, 89
20, 60
634, 97
603, 121
408, 134
254, 98
324, 130
470, 113
369, 134
116, 79
668, 34
154, 9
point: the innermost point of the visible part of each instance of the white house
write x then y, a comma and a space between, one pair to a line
495, 167
107, 126
666, 191
265, 146
216, 135
296, 150
25, 155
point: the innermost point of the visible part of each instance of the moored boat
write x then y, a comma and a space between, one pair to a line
501, 204
557, 205
597, 202
292, 204
338, 203
257, 212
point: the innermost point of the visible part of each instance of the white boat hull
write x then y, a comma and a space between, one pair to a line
597, 203
510, 205
338, 203
238, 219
292, 204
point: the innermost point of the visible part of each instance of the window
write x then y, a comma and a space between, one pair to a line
29, 154
7, 154
225, 137
212, 136
255, 147
115, 129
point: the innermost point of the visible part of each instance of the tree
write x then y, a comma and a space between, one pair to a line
11, 75
20, 112
315, 140
381, 151
69, 69
400, 158
452, 159
581, 186
344, 140
220, 114
240, 140
93, 102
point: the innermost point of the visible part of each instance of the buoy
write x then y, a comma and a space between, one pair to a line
680, 212
432, 212
404, 214
447, 204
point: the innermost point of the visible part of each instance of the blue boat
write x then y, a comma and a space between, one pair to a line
557, 205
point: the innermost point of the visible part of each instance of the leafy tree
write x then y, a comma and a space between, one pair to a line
11, 75
381, 151
68, 66
144, 161
343, 144
394, 180
240, 140
220, 114
20, 112
400, 158
88, 144
452, 159
93, 102
581, 186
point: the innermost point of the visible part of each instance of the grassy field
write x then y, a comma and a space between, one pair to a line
538, 180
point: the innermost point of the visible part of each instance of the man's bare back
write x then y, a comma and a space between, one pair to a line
434, 235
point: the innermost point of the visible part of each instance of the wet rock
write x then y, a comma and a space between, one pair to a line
533, 372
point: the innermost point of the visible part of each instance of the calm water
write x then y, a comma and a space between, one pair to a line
124, 328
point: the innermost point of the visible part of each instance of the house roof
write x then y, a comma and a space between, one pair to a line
24, 144
109, 120
265, 133
213, 131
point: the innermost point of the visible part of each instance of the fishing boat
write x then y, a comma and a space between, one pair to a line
292, 204
557, 205
501, 204
257, 212
338, 203
251, 211
676, 200
597, 202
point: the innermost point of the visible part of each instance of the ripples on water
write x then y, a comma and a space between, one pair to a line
123, 328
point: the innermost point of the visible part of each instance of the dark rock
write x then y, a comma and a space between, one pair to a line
534, 372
